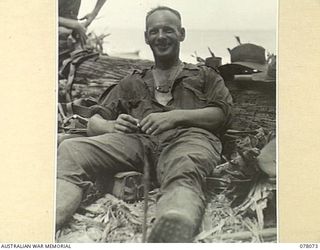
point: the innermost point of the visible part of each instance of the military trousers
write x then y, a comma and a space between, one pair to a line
180, 159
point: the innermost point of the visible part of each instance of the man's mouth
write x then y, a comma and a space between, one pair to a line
163, 46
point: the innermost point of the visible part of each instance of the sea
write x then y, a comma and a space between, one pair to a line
129, 43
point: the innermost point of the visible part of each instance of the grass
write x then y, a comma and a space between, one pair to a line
112, 220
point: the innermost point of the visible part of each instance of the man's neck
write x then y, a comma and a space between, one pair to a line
166, 63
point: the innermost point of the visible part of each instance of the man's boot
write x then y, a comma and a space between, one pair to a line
68, 200
179, 214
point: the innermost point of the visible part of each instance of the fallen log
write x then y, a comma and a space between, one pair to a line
265, 234
107, 70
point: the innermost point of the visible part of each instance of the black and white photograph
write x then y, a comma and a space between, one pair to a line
166, 121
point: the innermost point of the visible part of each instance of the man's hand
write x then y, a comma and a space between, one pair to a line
88, 18
92, 15
76, 26
126, 124
81, 31
156, 123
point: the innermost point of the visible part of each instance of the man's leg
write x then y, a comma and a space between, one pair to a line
81, 160
182, 167
267, 159
69, 197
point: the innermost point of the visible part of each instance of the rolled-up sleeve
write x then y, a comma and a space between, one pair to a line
217, 94
108, 107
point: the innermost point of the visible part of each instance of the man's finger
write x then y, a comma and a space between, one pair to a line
83, 41
119, 128
146, 126
82, 37
127, 124
156, 131
129, 118
152, 129
84, 17
144, 120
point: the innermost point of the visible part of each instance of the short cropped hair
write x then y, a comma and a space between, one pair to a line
175, 12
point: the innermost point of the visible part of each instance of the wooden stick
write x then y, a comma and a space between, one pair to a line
146, 197
265, 233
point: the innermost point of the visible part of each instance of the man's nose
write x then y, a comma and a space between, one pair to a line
161, 34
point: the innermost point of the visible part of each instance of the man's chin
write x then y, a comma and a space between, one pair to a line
163, 54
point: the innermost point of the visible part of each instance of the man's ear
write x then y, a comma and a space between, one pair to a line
182, 34
146, 39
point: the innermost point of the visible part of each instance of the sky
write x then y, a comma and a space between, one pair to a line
196, 14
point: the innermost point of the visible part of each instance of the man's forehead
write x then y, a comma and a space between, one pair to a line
163, 16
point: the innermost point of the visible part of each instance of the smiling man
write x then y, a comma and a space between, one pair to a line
169, 117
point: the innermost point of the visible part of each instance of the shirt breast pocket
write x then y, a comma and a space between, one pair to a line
195, 90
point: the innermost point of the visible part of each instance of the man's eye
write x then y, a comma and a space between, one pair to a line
168, 30
152, 32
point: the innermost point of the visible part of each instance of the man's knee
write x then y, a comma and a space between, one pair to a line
70, 143
187, 170
71, 159
192, 161
72, 151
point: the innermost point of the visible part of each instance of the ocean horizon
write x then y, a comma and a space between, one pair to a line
127, 42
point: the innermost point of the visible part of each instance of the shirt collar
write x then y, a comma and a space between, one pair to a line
188, 70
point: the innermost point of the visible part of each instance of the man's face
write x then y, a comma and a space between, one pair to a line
164, 34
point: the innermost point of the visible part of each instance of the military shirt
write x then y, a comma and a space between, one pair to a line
195, 87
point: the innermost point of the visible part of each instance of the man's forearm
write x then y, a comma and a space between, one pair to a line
98, 126
98, 6
210, 118
67, 22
